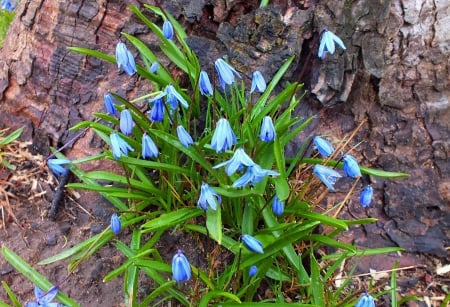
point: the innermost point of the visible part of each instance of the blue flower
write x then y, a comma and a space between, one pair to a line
327, 43
126, 122
252, 244
108, 99
124, 59
208, 197
365, 198
167, 29
119, 146
224, 137
181, 268
253, 175
59, 166
351, 167
327, 175
365, 301
8, 5
324, 147
149, 149
268, 133
239, 159
252, 271
116, 224
154, 67
184, 137
156, 113
258, 82
204, 84
173, 97
277, 206
44, 298
225, 72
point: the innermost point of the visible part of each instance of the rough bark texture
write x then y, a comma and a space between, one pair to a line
394, 74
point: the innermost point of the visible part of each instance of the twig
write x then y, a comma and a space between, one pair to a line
59, 194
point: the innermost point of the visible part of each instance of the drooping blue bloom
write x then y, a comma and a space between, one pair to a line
252, 244
167, 29
327, 43
59, 166
239, 159
224, 137
181, 268
351, 167
8, 5
204, 84
44, 298
126, 122
225, 72
252, 176
327, 175
173, 97
119, 146
324, 147
277, 206
124, 59
184, 137
116, 224
109, 101
365, 198
208, 197
252, 271
156, 113
366, 300
258, 82
149, 149
267, 133
154, 67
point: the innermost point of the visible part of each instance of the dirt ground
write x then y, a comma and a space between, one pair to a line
26, 196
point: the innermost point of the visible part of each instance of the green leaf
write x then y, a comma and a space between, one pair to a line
11, 295
11, 137
282, 188
313, 216
214, 223
171, 219
204, 302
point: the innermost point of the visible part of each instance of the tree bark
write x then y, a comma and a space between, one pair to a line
394, 74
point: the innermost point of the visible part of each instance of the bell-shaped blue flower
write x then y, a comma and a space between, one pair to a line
365, 198
44, 298
258, 82
59, 166
109, 101
253, 175
167, 29
173, 97
124, 59
116, 224
119, 146
324, 147
126, 122
277, 206
184, 137
225, 72
8, 5
154, 67
181, 268
327, 175
208, 197
267, 133
351, 167
366, 300
327, 43
149, 149
156, 113
239, 159
204, 84
223, 137
252, 244
252, 271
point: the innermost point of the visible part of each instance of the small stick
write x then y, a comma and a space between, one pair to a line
59, 194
